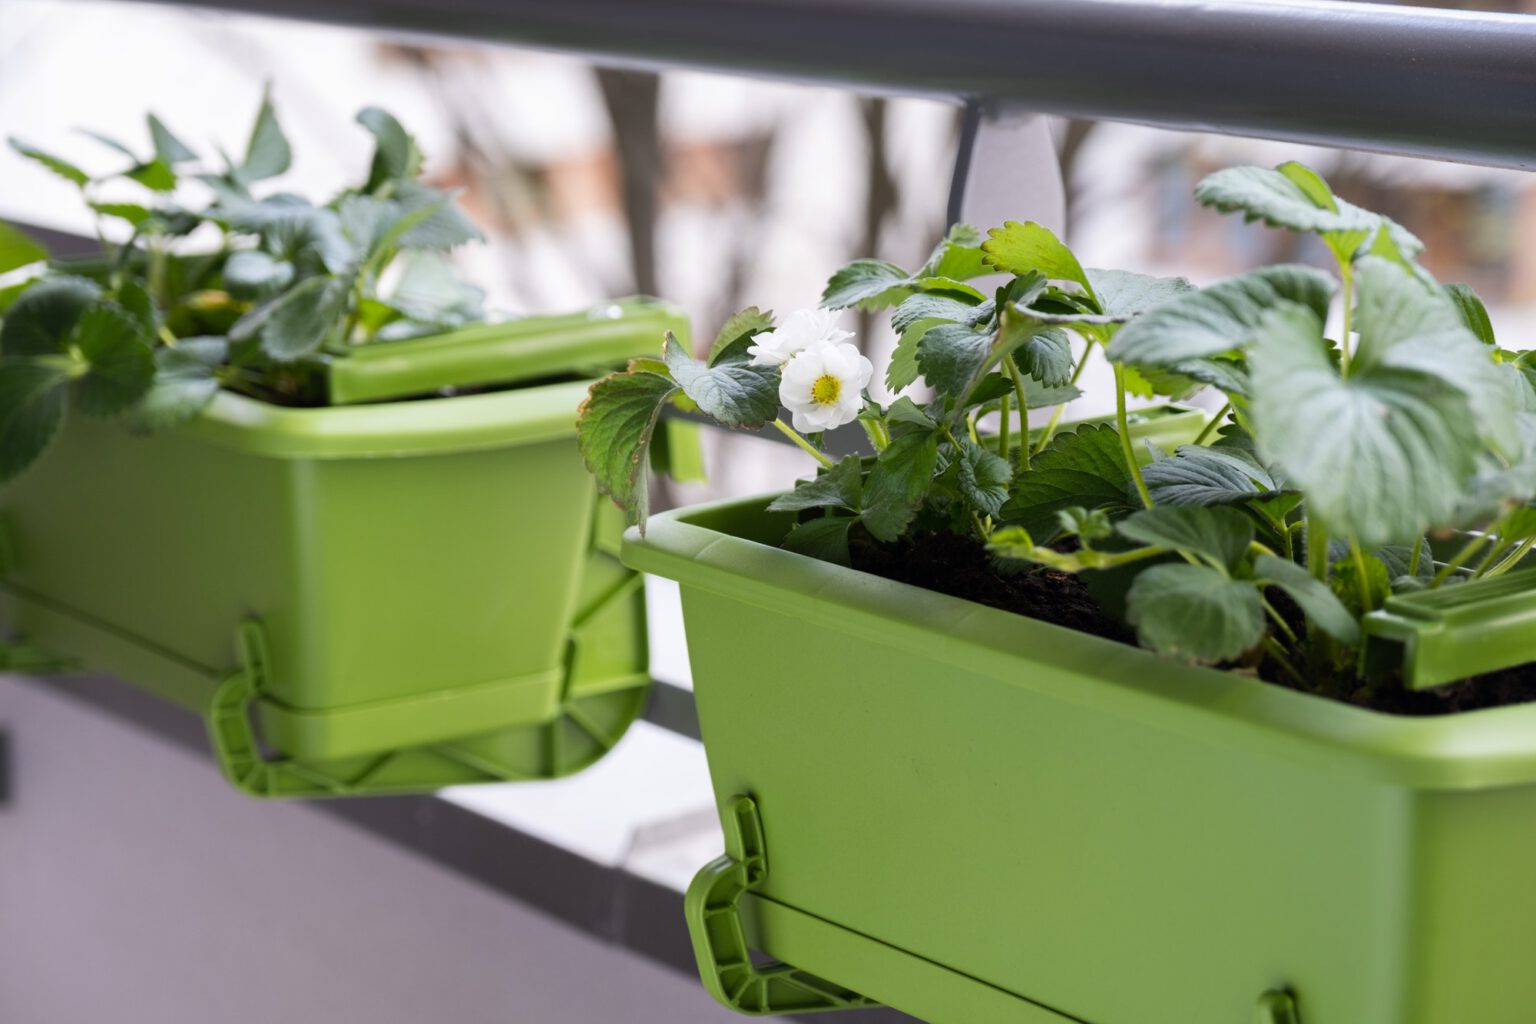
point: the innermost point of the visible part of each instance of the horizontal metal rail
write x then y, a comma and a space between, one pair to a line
1419, 81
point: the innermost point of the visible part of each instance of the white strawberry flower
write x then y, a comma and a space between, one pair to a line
822, 386
799, 331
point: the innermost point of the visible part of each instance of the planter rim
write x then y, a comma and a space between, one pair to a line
1493, 747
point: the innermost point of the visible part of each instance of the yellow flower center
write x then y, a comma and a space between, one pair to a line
826, 389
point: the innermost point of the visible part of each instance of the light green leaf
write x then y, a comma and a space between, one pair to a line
1026, 248
731, 344
252, 274
43, 316
899, 481
1197, 475
110, 143
614, 427
1381, 456
983, 477
434, 220
134, 213
117, 348
1122, 293
1079, 467
17, 250
267, 154
186, 379
32, 402
1219, 535
63, 168
168, 148
1218, 319
735, 394
825, 539
1281, 200
1345, 583
958, 257
1311, 595
842, 486
431, 292
155, 175
395, 155
1472, 312
1195, 612
866, 283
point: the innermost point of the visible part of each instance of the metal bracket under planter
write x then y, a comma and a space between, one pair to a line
230, 717
713, 908
1449, 633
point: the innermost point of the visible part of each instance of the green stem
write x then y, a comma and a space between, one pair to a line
1055, 421
1362, 585
1274, 650
1012, 369
1126, 448
1284, 627
1317, 549
1471, 548
1347, 293
1513, 559
1210, 427
1488, 559
1006, 412
1413, 560
804, 445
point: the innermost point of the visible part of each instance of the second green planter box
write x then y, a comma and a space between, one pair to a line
362, 598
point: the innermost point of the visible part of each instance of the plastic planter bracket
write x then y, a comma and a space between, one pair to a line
1449, 633
1276, 1008
713, 908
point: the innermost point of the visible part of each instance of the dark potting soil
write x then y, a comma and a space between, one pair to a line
960, 567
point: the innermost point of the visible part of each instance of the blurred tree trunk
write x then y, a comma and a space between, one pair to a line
632, 101
881, 194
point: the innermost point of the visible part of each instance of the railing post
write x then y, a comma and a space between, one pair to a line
1006, 169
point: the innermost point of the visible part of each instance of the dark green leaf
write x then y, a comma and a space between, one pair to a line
42, 318
735, 394
267, 154
903, 369
898, 483
63, 168
434, 218
951, 356
395, 155
1311, 595
841, 487
117, 348
983, 477
17, 250
300, 320
252, 274
1079, 467
32, 401
186, 379
1195, 612
736, 336
825, 539
1027, 248
1220, 535
1218, 319
1345, 584
1047, 357
866, 283
168, 148
613, 430
1208, 476
942, 308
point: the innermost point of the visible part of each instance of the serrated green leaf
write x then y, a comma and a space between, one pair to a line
614, 427
116, 347
168, 148
1398, 559
958, 256
1195, 612
63, 168
267, 153
939, 308
1079, 467
1047, 357
903, 370
134, 213
1311, 184
300, 320
1220, 535
866, 283
731, 344
430, 292
136, 301
186, 379
1122, 293
434, 220
898, 482
825, 539
1474, 315
735, 394
17, 250
40, 320
951, 356
32, 403
983, 477
1345, 584
110, 143
395, 154
842, 486
906, 412
1219, 319
1277, 199
1028, 248
1381, 456
1208, 476
1321, 606
252, 274
155, 174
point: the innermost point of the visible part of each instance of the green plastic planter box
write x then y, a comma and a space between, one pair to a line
363, 598
979, 818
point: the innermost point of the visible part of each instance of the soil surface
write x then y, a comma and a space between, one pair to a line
959, 566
